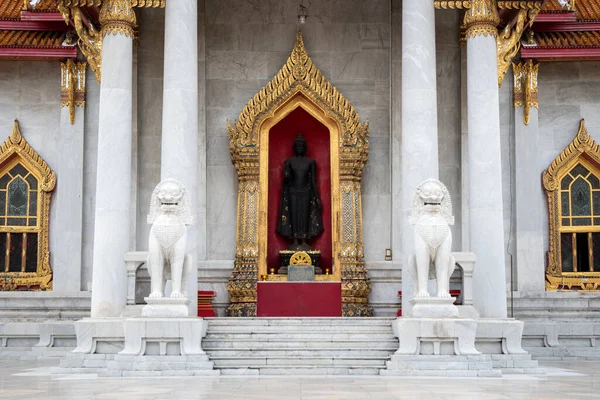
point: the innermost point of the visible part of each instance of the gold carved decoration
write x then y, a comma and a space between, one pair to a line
72, 88
458, 4
508, 41
117, 17
583, 149
526, 86
90, 39
13, 151
481, 18
299, 83
300, 258
98, 3
502, 4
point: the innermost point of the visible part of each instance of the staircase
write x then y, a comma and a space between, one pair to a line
300, 346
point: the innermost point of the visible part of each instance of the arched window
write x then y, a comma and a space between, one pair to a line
26, 183
572, 183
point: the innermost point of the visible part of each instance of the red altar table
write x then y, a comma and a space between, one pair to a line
299, 299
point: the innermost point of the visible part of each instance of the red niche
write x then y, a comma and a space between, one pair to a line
281, 139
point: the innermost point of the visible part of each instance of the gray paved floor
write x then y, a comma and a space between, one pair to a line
20, 380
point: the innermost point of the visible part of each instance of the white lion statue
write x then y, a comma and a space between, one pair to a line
170, 215
431, 217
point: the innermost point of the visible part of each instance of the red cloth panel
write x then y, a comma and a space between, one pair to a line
299, 299
281, 139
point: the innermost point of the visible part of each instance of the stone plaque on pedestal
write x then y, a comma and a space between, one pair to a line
298, 273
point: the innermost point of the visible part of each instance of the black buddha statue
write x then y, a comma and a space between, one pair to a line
300, 212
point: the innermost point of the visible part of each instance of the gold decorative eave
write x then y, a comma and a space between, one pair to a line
98, 3
508, 5
452, 4
297, 74
582, 143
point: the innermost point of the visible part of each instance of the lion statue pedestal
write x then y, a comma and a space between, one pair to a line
434, 341
170, 215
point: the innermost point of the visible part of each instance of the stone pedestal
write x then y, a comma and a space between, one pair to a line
139, 347
427, 336
437, 347
434, 307
165, 307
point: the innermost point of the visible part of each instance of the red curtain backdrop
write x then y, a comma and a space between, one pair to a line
281, 138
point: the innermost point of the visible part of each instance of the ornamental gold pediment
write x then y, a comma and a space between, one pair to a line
298, 75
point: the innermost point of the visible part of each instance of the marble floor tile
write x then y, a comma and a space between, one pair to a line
31, 380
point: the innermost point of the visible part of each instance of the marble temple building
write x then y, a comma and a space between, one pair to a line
300, 132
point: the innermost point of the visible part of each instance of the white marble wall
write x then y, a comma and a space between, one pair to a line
567, 93
30, 92
90, 149
447, 29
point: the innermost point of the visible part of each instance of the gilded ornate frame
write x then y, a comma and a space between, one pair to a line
299, 84
585, 150
13, 149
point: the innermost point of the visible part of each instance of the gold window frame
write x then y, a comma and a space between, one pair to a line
582, 150
299, 83
16, 150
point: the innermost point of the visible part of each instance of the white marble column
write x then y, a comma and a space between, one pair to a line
419, 118
484, 161
66, 214
179, 154
529, 194
113, 179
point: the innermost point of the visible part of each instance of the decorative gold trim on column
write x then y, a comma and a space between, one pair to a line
481, 19
117, 17
526, 86
585, 150
72, 88
16, 150
299, 83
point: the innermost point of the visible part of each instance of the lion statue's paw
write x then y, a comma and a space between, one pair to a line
421, 294
444, 294
177, 295
155, 295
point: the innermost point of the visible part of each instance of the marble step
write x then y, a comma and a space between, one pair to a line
371, 321
14, 353
321, 352
300, 370
292, 362
376, 329
443, 373
303, 336
284, 344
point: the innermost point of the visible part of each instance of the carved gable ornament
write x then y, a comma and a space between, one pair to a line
299, 75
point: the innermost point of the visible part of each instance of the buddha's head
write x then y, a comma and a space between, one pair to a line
299, 145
